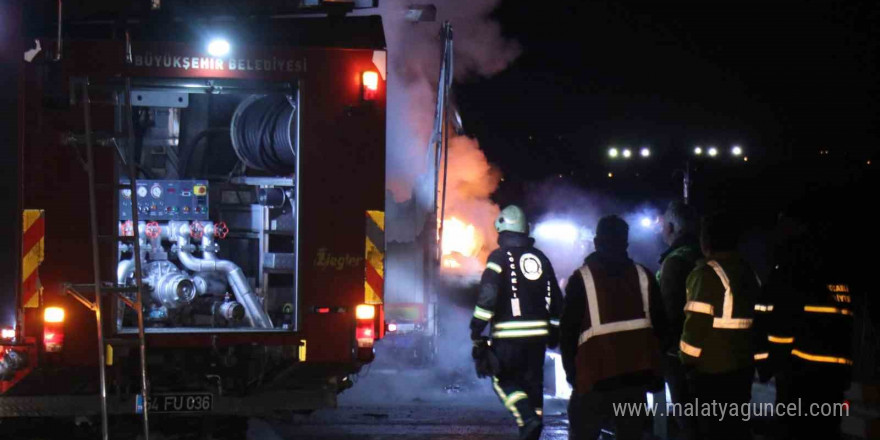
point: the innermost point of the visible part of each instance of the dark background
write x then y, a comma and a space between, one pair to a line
784, 79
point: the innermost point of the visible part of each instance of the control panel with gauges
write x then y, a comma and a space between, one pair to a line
166, 200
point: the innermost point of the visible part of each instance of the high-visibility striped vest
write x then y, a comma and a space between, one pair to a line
717, 335
616, 335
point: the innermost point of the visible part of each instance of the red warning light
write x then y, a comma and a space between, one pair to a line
370, 83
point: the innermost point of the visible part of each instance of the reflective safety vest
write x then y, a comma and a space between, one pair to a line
597, 327
814, 329
610, 347
717, 335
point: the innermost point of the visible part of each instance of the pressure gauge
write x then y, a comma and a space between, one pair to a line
142, 191
126, 193
156, 191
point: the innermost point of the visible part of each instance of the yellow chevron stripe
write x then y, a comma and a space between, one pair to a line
370, 296
378, 218
32, 260
29, 217
375, 258
33, 302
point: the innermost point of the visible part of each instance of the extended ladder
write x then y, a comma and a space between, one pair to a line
99, 287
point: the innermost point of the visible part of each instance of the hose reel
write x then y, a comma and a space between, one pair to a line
264, 131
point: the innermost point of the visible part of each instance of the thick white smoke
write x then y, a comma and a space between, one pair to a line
414, 52
414, 57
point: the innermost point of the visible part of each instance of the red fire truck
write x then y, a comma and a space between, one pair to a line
205, 184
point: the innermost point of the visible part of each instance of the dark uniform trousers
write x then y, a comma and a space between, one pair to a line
520, 380
730, 388
674, 373
805, 389
589, 413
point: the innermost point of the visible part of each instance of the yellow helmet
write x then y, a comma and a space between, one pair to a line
513, 219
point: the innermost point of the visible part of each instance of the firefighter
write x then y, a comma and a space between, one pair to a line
520, 297
609, 334
716, 343
680, 229
805, 320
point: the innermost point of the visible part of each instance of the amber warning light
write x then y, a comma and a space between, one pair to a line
370, 83
53, 314
365, 312
53, 329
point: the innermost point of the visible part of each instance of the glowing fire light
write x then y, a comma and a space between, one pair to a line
459, 237
451, 263
461, 244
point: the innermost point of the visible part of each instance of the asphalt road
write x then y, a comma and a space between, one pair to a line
386, 402
410, 404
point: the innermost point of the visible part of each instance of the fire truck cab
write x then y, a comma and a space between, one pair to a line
216, 179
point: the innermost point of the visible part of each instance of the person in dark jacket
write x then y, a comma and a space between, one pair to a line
680, 232
717, 341
520, 297
805, 325
609, 336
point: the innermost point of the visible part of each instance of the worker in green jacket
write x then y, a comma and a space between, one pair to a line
681, 226
717, 346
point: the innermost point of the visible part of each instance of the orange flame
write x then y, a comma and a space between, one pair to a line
461, 245
460, 237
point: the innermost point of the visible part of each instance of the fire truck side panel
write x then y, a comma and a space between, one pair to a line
341, 162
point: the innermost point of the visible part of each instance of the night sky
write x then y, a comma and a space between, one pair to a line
784, 79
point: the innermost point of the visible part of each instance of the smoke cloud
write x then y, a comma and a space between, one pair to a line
565, 234
414, 51
470, 183
414, 57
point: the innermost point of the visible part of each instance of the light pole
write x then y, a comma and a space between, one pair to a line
686, 181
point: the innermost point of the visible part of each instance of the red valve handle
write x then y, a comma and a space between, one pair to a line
153, 230
196, 230
221, 230
126, 229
